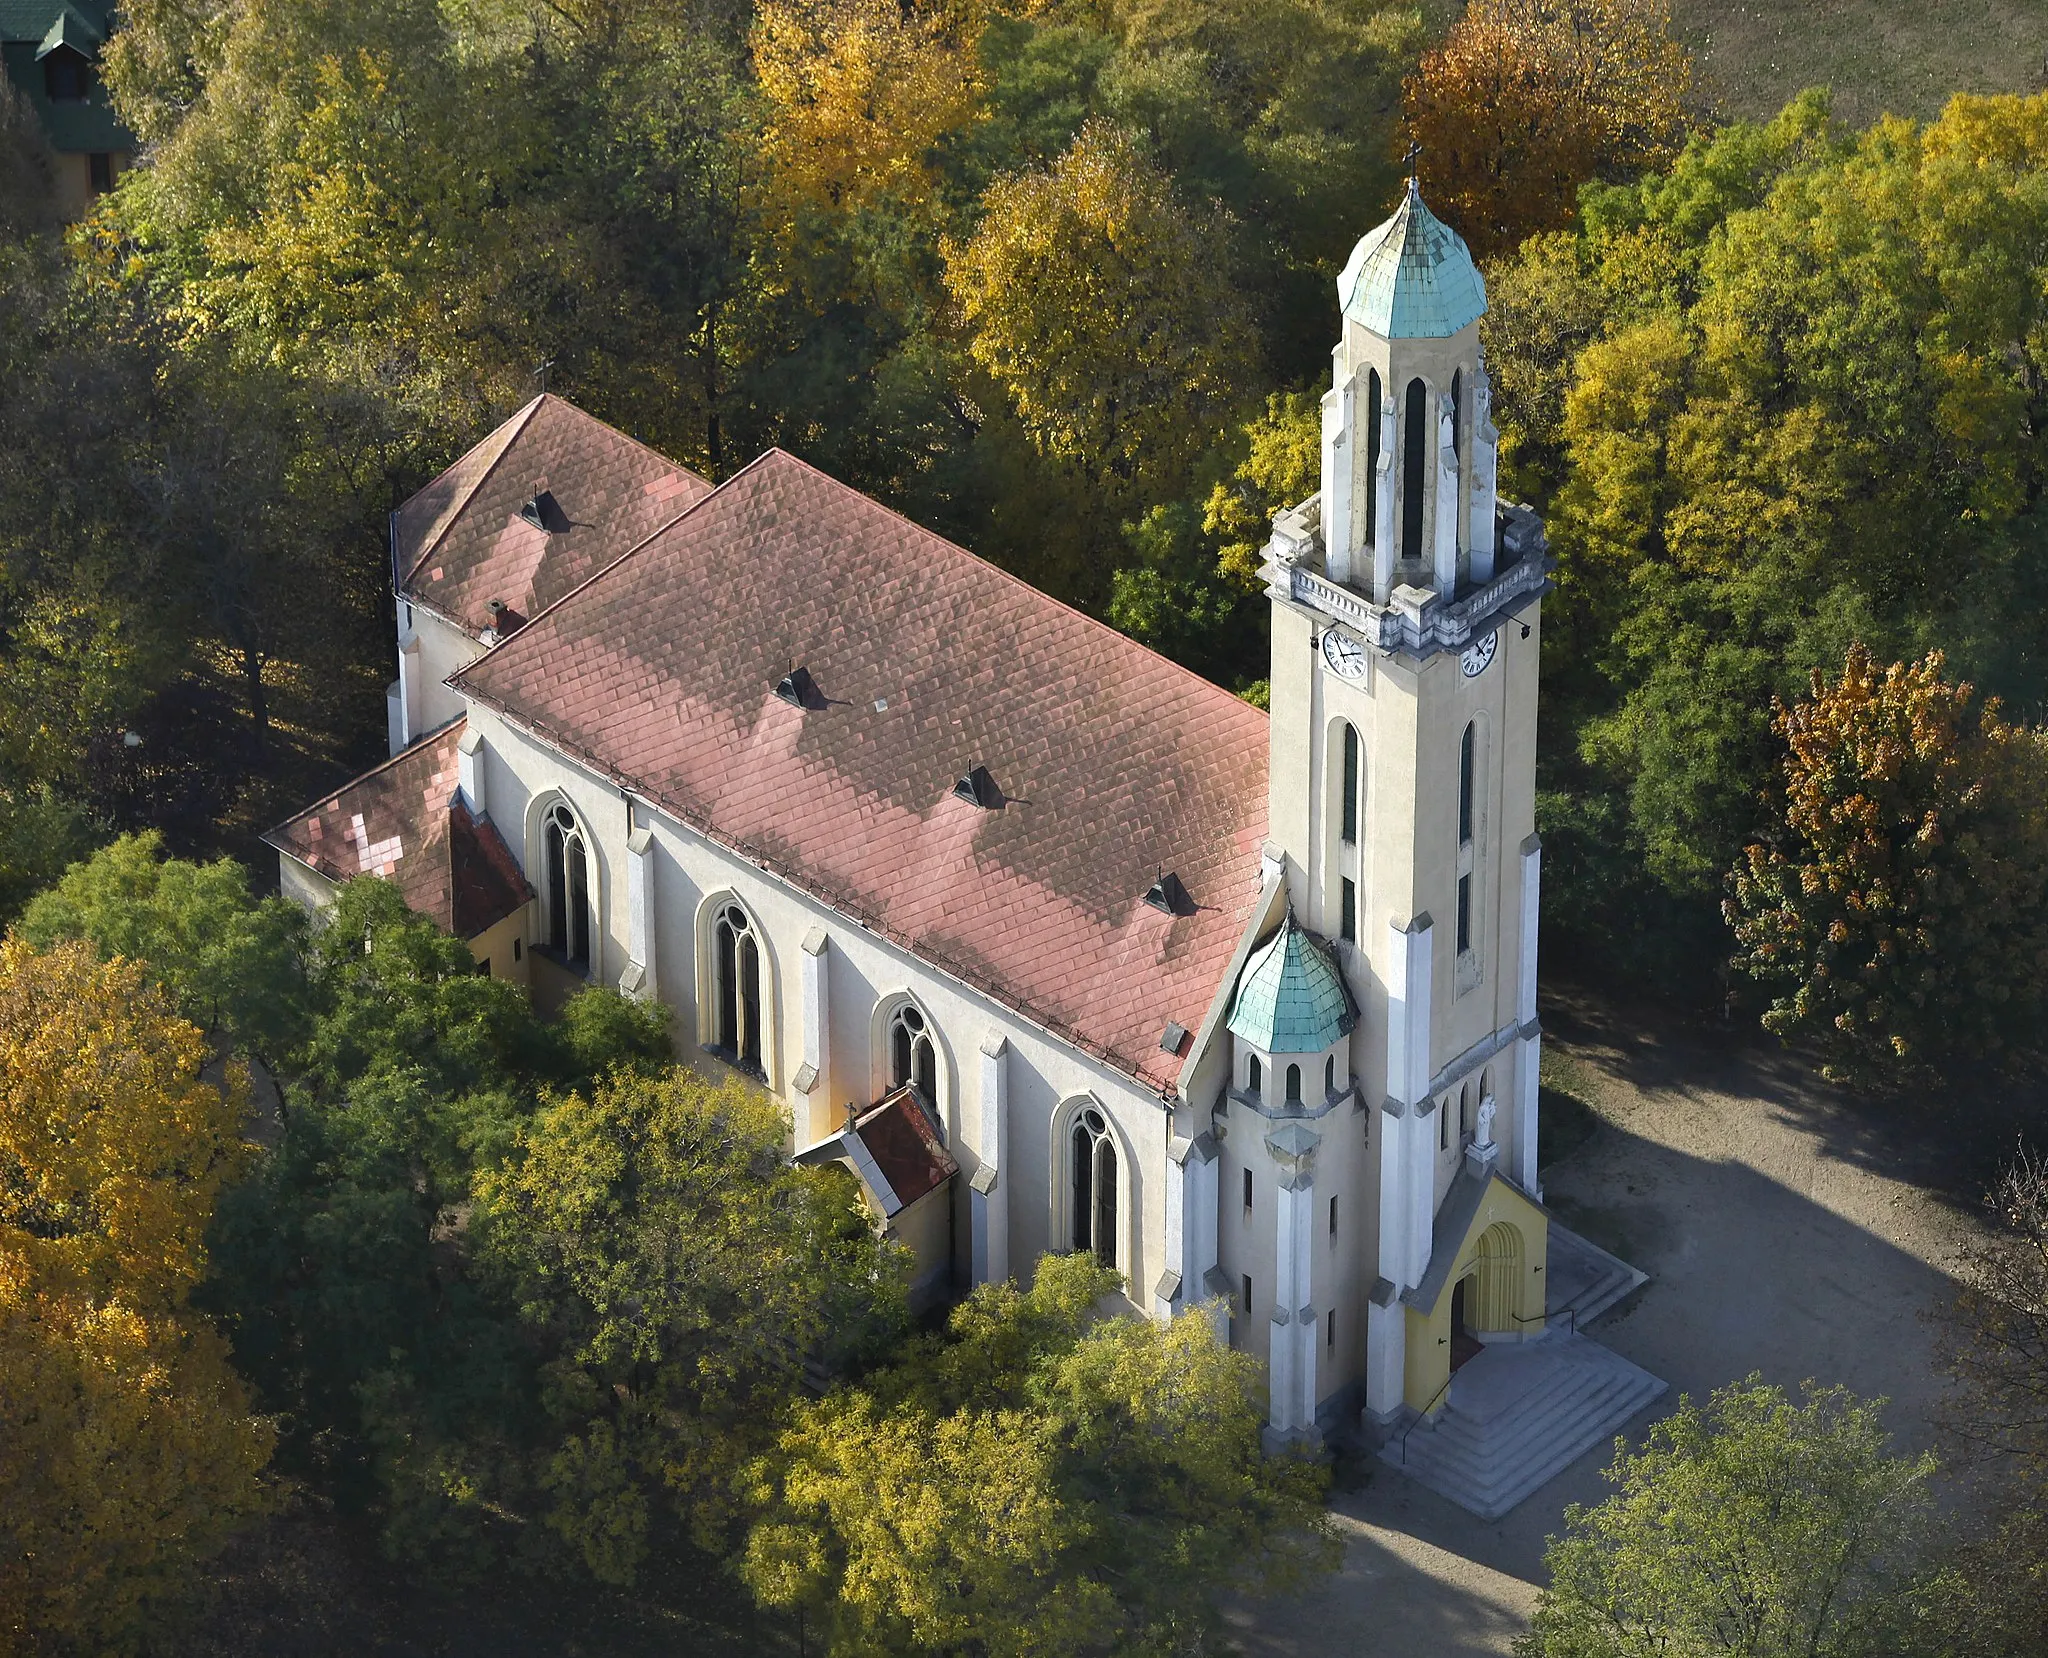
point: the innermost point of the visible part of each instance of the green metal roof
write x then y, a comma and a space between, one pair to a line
1412, 278
1291, 998
71, 30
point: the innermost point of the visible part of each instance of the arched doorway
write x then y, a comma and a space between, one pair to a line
1465, 1343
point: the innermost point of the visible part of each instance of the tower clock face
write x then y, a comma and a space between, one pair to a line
1345, 653
1475, 656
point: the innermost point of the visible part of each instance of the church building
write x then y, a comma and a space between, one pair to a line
1055, 944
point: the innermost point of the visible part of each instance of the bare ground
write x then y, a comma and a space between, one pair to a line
1787, 1229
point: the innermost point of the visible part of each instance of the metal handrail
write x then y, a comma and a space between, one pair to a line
1571, 1317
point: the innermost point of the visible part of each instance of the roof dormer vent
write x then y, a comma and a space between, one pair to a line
980, 788
799, 690
544, 512
1169, 895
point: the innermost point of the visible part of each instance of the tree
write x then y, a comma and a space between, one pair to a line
131, 1452
1095, 301
1526, 100
1751, 1525
1902, 918
1042, 1480
231, 963
677, 1270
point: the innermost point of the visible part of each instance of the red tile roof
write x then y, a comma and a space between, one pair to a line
404, 822
901, 1138
1113, 763
461, 542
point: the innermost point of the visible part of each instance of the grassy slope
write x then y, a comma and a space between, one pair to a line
1901, 56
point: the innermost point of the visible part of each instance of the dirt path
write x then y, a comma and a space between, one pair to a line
1784, 1232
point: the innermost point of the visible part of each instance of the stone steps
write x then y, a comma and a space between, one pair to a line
1517, 1416
1584, 1279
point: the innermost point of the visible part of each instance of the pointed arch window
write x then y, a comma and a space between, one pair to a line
1374, 396
1294, 1085
913, 1057
1254, 1075
1414, 466
1467, 753
1457, 408
567, 863
736, 966
1093, 1156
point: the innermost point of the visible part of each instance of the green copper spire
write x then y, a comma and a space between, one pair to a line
1291, 998
1412, 278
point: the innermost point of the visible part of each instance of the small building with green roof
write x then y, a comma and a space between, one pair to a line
51, 49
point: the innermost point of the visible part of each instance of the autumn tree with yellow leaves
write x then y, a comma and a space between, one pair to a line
128, 1448
1526, 100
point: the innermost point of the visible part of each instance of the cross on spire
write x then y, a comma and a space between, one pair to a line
1408, 166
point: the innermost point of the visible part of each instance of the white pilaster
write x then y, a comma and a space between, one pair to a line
1529, 1065
1446, 500
814, 1075
1386, 1352
988, 1200
639, 977
1408, 985
470, 773
1485, 468
1383, 548
1532, 917
1291, 1353
410, 690
1408, 1176
1528, 1080
1339, 442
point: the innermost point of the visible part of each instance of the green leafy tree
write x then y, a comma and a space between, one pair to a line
1041, 1480
1902, 917
677, 1271
233, 964
1753, 1525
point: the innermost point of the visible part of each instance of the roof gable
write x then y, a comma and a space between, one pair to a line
405, 823
1109, 762
463, 541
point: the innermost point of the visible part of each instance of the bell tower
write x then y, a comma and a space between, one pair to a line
1405, 629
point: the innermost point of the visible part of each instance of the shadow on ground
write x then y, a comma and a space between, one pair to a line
1788, 1230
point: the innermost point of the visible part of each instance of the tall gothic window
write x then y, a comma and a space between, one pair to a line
1253, 1075
1350, 809
1414, 466
912, 1057
1294, 1085
1464, 913
1465, 781
568, 887
1374, 396
1457, 407
1094, 1167
736, 966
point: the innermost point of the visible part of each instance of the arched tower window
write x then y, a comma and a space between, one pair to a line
1350, 807
1093, 1154
1330, 1076
912, 1056
1254, 1076
567, 864
1294, 1085
1465, 759
1457, 408
1374, 396
736, 965
1414, 462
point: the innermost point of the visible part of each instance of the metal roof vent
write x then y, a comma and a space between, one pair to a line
1174, 1039
799, 690
1169, 895
544, 512
980, 788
